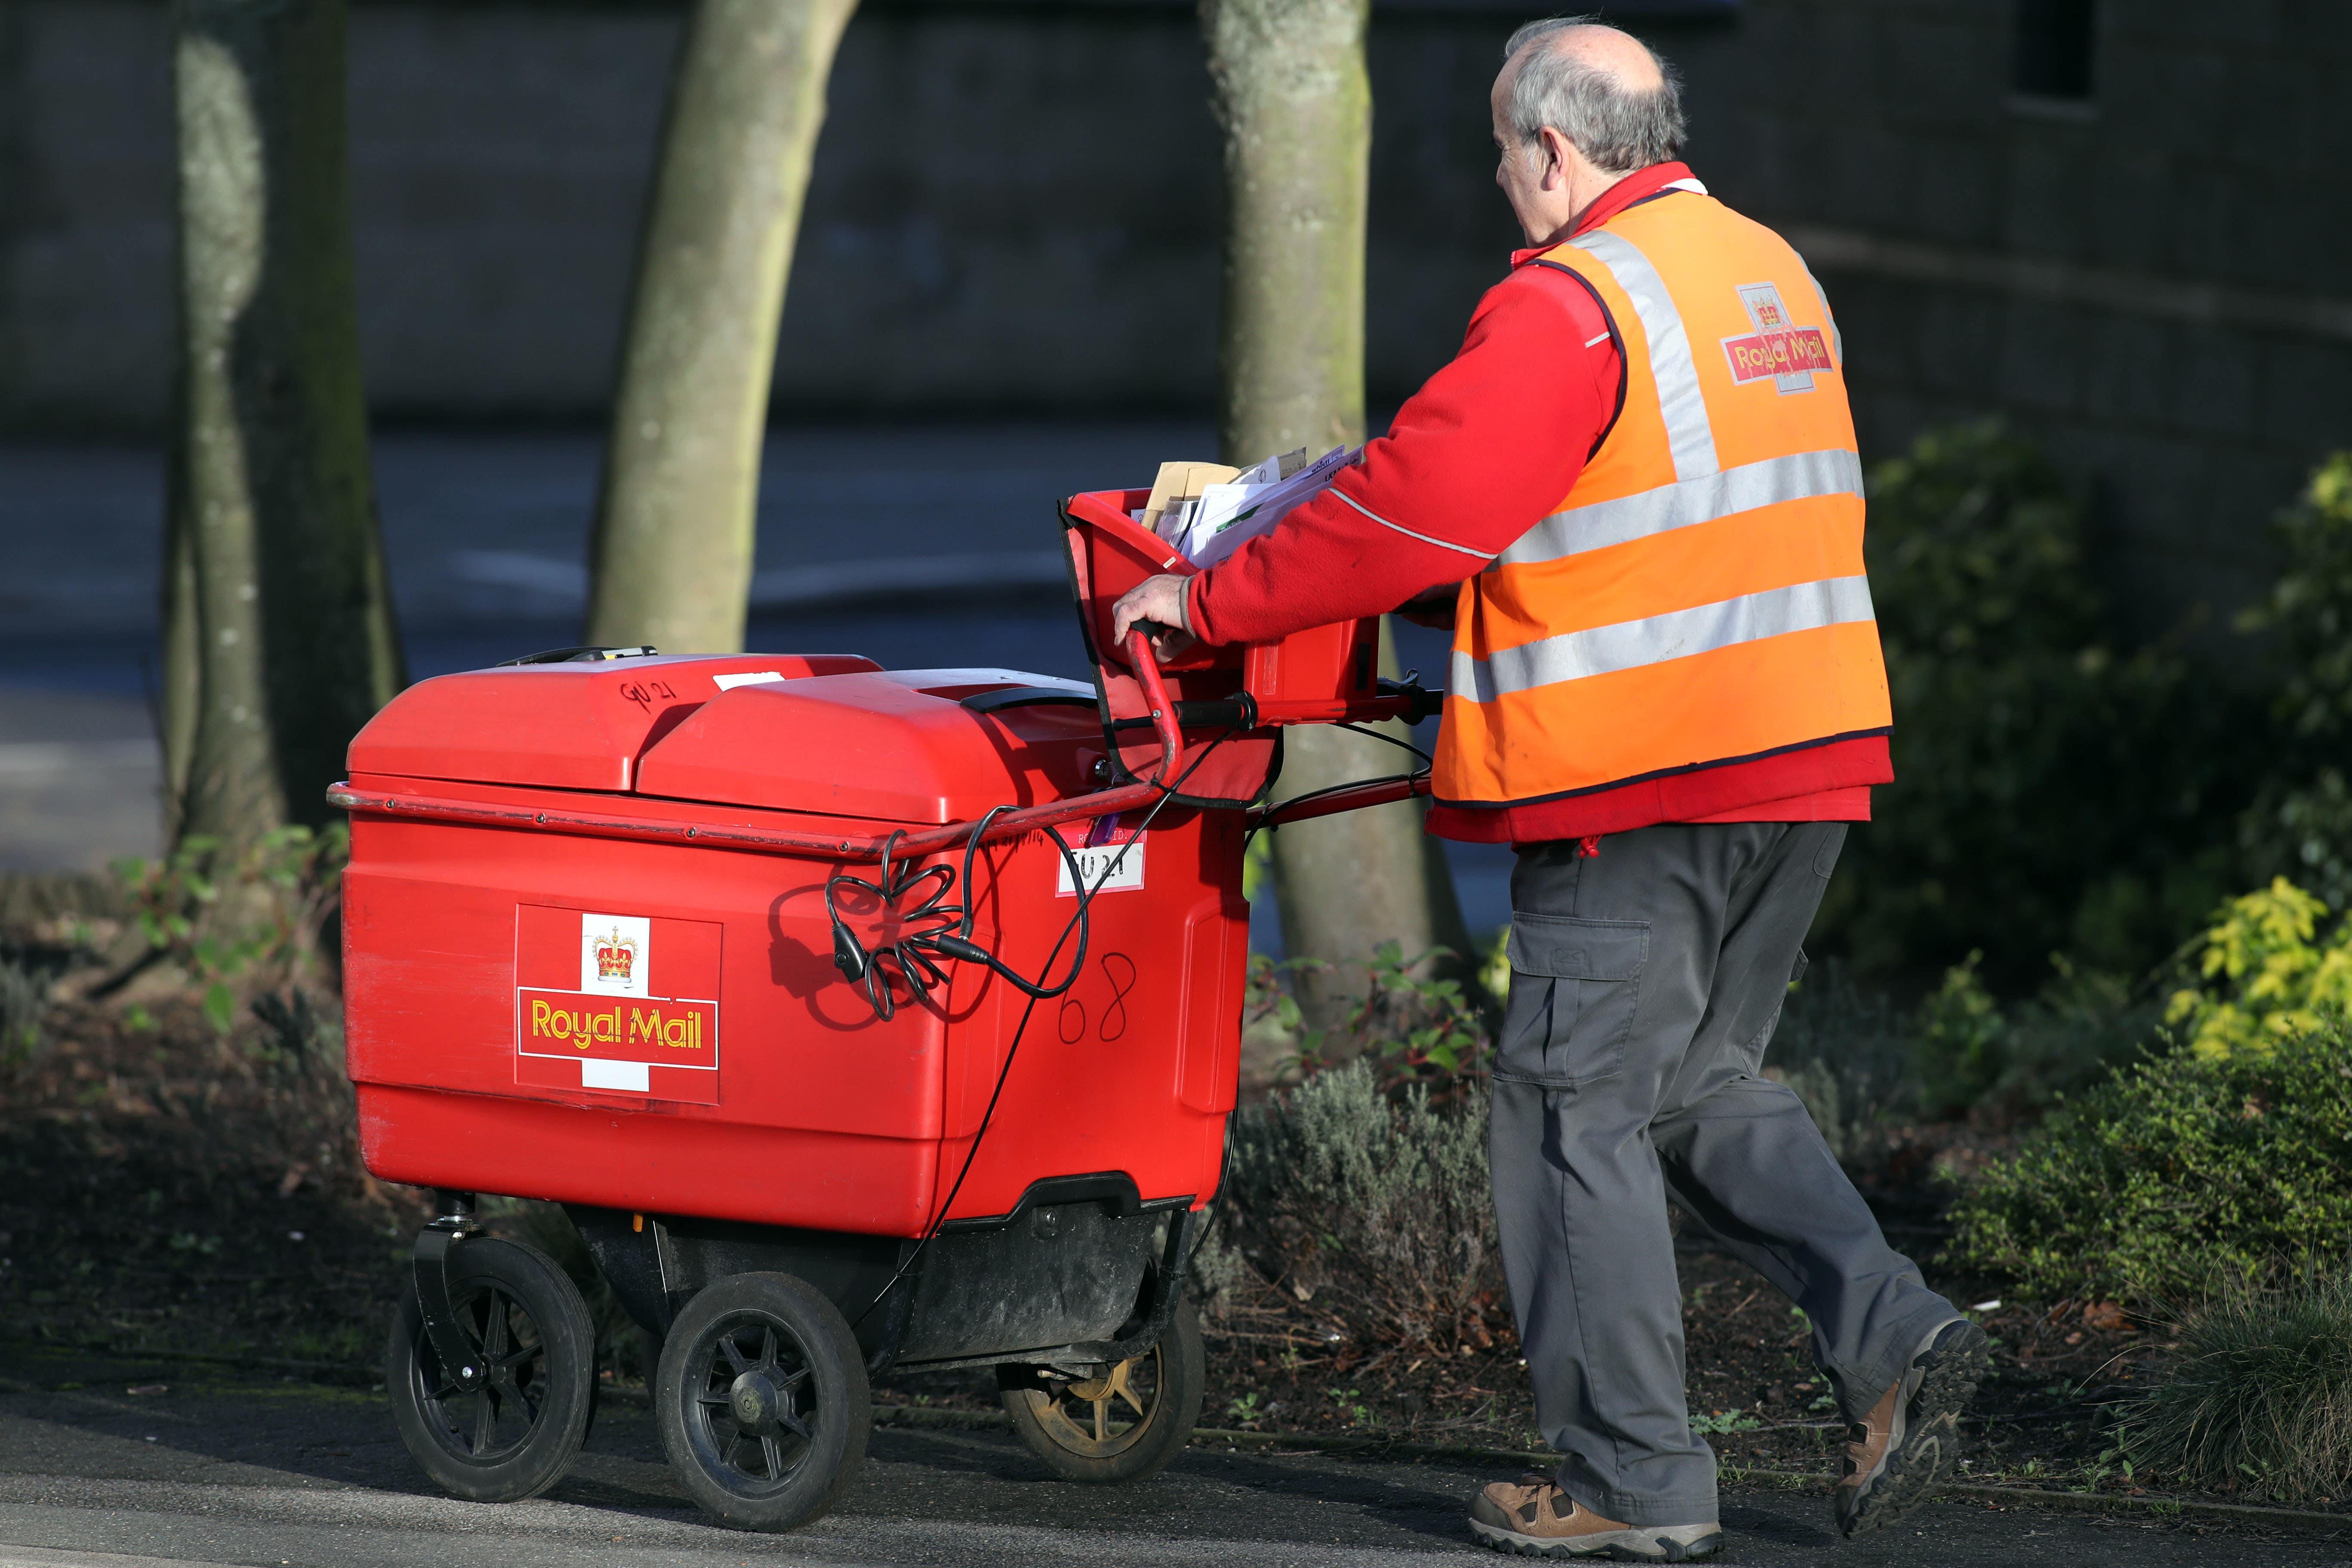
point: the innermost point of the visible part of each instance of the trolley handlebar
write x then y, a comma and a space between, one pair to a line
1155, 691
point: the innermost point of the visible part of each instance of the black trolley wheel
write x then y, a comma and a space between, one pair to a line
514, 1435
761, 1401
1120, 1425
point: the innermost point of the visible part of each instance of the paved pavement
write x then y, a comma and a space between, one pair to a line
80, 780
253, 1470
921, 546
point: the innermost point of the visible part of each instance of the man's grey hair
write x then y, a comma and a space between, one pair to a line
1617, 129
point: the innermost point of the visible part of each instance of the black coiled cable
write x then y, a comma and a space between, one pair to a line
911, 955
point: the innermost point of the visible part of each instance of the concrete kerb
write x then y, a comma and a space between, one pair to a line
1796, 1481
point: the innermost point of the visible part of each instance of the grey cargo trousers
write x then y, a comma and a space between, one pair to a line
1645, 980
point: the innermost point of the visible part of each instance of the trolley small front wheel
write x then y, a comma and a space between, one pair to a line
762, 1402
513, 1435
1121, 1425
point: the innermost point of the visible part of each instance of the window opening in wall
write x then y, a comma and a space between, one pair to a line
2055, 39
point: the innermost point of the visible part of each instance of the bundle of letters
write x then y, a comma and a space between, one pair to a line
1207, 511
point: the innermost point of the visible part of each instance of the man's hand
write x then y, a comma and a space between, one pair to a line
1160, 601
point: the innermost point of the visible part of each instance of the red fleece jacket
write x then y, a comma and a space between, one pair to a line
1486, 449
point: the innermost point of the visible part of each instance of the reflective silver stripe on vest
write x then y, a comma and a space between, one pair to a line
1689, 437
1678, 633
1829, 318
1797, 476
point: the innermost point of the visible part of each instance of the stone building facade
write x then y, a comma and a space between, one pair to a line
2121, 222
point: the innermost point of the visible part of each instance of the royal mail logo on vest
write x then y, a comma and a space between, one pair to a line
1778, 349
617, 1004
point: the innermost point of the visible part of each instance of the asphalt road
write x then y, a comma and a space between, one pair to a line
227, 1468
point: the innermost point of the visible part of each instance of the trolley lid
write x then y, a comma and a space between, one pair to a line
563, 726
919, 746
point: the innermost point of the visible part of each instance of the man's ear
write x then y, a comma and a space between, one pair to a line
1555, 165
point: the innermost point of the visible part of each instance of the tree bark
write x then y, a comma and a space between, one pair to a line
278, 635
674, 520
1294, 101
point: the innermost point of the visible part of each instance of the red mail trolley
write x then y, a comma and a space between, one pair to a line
861, 1019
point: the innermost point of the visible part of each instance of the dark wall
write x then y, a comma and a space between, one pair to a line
1015, 209
2155, 278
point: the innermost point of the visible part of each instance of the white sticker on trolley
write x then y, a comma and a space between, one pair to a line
630, 1078
1107, 867
750, 678
615, 951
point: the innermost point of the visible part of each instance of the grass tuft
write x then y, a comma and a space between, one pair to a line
2260, 1400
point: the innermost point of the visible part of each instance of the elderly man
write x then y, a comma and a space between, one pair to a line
1635, 495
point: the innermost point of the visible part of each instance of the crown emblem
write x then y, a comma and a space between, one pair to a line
616, 955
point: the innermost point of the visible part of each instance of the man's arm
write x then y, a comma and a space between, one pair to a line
1485, 450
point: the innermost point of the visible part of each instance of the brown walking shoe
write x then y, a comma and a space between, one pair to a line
1534, 1518
1910, 1442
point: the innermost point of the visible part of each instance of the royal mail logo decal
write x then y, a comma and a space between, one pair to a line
617, 1004
1778, 349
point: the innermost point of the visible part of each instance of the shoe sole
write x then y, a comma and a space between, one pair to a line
1930, 1449
1620, 1545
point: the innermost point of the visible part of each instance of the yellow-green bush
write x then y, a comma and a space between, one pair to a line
2268, 974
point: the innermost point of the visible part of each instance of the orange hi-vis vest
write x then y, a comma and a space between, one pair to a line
1698, 598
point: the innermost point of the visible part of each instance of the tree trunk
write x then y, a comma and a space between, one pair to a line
674, 523
279, 635
1294, 103
1346, 884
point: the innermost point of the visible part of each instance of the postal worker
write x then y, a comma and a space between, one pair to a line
1634, 496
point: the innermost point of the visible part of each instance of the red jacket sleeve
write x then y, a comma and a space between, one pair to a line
1484, 451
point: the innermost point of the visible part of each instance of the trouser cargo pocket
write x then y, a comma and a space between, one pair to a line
1574, 986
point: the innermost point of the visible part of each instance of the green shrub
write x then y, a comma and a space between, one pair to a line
237, 918
2051, 792
2174, 1174
2309, 608
1374, 1208
1969, 1052
1413, 1025
1959, 1041
2303, 831
2301, 826
2260, 1399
